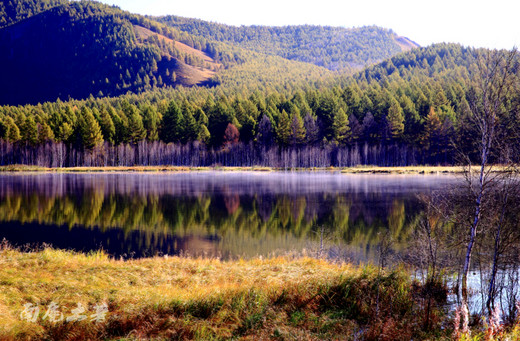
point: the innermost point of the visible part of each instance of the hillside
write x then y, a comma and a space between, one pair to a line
82, 48
53, 49
78, 49
335, 48
269, 111
13, 11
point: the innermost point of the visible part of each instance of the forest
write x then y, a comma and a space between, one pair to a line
412, 109
335, 48
126, 105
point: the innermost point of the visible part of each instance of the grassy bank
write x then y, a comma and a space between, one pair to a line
348, 170
182, 298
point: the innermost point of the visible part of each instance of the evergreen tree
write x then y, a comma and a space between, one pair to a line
65, 132
135, 127
3, 130
190, 126
13, 133
395, 119
151, 122
432, 133
44, 133
352, 99
201, 117
30, 131
218, 119
283, 128
107, 126
340, 127
328, 107
247, 131
121, 124
204, 135
90, 131
171, 125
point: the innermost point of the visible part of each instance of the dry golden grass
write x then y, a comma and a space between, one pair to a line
25, 168
346, 170
183, 298
189, 75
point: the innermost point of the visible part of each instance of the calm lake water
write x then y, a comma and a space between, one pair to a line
216, 214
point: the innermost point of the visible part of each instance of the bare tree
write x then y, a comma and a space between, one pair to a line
492, 84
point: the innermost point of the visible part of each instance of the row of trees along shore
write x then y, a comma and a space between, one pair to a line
359, 122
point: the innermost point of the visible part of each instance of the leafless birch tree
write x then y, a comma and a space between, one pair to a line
492, 84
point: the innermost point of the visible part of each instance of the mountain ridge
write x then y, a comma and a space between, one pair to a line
304, 42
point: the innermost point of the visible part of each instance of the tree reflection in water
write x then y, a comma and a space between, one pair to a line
214, 213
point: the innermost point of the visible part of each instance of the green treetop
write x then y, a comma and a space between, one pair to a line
90, 131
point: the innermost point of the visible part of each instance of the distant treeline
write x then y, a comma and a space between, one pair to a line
335, 48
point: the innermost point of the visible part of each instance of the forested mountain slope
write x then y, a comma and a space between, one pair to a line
82, 48
62, 49
12, 11
335, 48
76, 49
411, 109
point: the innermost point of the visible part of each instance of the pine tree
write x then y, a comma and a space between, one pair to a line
65, 131
44, 133
204, 135
247, 131
3, 130
13, 133
341, 127
107, 126
136, 128
121, 124
283, 128
171, 125
30, 131
190, 127
90, 131
395, 119
433, 134
151, 123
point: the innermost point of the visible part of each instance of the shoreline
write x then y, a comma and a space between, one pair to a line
177, 169
196, 298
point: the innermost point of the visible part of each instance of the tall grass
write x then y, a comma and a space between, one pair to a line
186, 298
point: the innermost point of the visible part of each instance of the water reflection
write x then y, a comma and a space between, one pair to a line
212, 213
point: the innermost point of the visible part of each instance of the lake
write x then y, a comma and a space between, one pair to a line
214, 214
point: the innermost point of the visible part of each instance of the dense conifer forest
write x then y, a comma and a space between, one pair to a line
88, 84
335, 48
